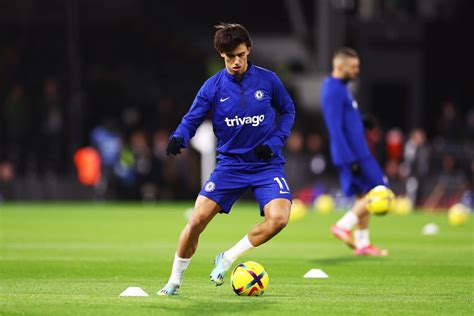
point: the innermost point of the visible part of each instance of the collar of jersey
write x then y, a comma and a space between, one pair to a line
249, 72
344, 82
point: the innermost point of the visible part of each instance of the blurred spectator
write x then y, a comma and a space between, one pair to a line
131, 117
87, 162
7, 176
142, 152
182, 175
394, 143
416, 163
6, 172
143, 160
106, 139
417, 154
448, 122
396, 181
124, 170
449, 186
374, 136
316, 156
295, 169
160, 141
52, 127
15, 113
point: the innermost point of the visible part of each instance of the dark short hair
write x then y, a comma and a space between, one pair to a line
230, 35
346, 52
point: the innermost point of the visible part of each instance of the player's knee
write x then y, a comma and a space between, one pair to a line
278, 222
197, 222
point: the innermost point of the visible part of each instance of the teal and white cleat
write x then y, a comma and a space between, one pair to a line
169, 289
222, 265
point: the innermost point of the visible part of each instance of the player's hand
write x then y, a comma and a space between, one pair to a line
263, 152
174, 146
355, 168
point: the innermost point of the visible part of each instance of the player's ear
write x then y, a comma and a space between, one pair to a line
222, 55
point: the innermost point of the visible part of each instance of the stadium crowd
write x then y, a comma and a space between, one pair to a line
434, 171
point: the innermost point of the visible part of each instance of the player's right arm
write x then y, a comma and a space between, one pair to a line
196, 114
333, 110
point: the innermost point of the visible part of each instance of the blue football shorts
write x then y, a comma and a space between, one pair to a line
226, 185
370, 176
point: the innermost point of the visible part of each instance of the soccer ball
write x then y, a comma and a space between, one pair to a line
249, 279
403, 205
380, 200
298, 210
458, 215
324, 204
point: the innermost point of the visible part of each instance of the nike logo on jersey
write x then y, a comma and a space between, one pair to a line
224, 99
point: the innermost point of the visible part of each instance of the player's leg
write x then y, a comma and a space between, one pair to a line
362, 240
361, 234
204, 210
274, 197
277, 213
343, 227
371, 177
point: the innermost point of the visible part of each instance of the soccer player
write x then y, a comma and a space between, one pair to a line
358, 170
252, 115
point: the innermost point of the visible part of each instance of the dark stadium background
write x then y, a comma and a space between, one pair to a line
133, 67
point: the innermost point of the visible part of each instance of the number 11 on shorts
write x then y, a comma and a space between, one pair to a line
281, 181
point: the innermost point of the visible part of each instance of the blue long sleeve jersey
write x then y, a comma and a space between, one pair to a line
244, 115
344, 123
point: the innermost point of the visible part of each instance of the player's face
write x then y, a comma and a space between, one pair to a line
236, 60
351, 68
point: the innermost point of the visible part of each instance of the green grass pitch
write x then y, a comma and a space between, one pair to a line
75, 259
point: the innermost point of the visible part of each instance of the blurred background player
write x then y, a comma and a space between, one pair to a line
358, 170
244, 101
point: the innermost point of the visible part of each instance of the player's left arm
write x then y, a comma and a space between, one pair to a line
285, 107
